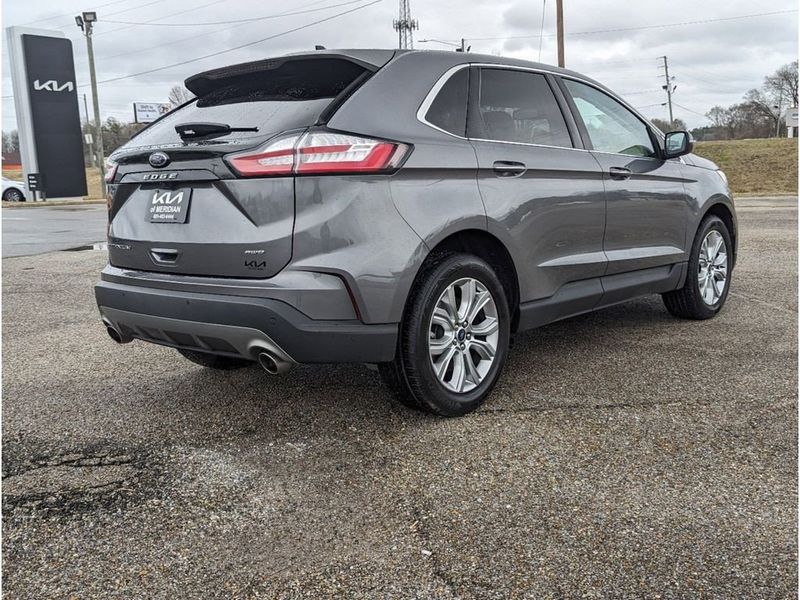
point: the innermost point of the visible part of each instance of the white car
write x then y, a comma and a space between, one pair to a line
13, 191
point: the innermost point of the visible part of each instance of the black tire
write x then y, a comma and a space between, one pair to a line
13, 195
213, 361
411, 376
687, 302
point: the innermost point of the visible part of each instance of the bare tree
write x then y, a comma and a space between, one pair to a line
179, 95
783, 84
10, 142
663, 125
764, 105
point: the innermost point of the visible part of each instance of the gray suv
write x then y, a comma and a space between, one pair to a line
408, 209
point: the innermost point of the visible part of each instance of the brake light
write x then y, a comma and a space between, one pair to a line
275, 158
111, 170
320, 152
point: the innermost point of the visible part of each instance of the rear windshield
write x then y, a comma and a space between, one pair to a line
270, 116
291, 97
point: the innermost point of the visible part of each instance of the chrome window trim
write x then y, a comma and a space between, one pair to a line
431, 96
445, 77
526, 144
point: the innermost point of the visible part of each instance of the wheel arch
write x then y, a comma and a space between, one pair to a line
13, 188
486, 246
723, 211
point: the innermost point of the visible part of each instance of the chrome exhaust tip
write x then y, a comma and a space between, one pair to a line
273, 364
116, 335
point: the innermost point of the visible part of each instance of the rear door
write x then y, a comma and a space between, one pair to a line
538, 185
648, 206
176, 205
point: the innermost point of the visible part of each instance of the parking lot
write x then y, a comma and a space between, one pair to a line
624, 453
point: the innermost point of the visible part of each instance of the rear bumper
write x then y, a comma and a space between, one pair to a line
239, 325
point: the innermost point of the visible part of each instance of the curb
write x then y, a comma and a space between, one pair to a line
52, 203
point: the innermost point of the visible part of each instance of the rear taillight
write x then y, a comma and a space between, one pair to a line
111, 170
319, 152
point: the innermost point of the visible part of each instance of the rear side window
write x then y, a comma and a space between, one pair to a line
611, 127
292, 96
519, 106
449, 109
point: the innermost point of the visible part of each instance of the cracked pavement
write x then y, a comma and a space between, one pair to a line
624, 454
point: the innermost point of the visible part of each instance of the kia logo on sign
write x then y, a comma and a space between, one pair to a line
158, 160
51, 85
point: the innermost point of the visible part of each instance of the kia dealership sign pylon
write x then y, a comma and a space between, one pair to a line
46, 105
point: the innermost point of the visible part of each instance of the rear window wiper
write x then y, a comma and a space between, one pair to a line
189, 131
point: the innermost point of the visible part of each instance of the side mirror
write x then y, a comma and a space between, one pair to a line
678, 143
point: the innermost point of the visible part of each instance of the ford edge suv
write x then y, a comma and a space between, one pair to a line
408, 209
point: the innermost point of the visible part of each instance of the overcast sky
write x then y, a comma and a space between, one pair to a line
713, 62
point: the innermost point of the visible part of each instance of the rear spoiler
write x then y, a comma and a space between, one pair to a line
324, 63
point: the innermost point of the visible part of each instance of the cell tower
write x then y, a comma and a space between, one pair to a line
405, 26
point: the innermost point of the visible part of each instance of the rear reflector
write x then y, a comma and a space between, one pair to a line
319, 152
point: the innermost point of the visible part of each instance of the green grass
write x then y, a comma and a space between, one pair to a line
755, 167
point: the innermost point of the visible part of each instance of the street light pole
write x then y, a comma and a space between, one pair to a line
86, 22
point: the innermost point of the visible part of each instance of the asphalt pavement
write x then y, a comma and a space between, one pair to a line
623, 454
37, 230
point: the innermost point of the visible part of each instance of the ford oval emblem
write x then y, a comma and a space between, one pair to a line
158, 160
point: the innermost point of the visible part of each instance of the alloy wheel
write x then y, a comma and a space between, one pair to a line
463, 335
712, 273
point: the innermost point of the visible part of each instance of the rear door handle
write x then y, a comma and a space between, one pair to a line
620, 173
508, 168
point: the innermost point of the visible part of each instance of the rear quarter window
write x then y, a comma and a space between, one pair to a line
448, 110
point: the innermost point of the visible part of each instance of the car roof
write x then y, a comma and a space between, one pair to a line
371, 58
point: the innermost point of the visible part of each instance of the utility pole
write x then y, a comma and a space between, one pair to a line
669, 89
405, 26
778, 120
560, 31
463, 46
86, 117
86, 21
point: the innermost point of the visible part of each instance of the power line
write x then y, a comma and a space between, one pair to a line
69, 14
717, 85
639, 92
172, 42
270, 37
641, 27
235, 22
175, 14
119, 12
688, 109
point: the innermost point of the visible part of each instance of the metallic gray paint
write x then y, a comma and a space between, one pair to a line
319, 296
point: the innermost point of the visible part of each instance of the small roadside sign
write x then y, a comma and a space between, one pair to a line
34, 182
147, 112
792, 117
